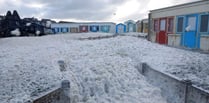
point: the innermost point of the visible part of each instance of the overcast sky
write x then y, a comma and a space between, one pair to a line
86, 10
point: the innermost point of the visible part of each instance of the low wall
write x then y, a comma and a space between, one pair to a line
99, 37
59, 95
52, 97
174, 89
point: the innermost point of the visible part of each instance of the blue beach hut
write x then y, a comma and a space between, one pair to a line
120, 28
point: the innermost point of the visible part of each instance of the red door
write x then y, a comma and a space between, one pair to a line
83, 28
162, 36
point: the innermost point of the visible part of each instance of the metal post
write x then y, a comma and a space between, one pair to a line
188, 84
66, 91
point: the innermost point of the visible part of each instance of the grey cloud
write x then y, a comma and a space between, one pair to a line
65, 9
79, 9
74, 9
85, 10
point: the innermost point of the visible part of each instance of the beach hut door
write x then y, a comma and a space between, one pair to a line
190, 31
120, 29
162, 33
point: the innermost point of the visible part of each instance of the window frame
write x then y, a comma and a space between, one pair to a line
173, 27
183, 26
196, 22
165, 26
156, 29
199, 26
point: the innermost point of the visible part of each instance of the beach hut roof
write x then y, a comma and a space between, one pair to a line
130, 21
181, 5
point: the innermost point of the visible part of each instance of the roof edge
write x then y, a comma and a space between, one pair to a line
179, 5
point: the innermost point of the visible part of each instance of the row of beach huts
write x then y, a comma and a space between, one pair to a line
105, 27
185, 25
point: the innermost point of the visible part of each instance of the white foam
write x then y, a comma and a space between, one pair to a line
16, 32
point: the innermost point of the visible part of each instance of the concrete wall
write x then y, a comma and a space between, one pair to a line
196, 95
173, 88
190, 8
152, 37
59, 95
174, 40
204, 42
52, 97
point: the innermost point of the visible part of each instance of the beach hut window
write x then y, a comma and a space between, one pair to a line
180, 24
162, 25
191, 24
156, 25
204, 23
170, 25
105, 28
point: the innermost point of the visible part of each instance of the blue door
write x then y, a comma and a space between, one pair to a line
120, 28
190, 34
94, 28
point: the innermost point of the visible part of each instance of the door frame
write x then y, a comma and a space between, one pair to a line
196, 31
183, 28
166, 36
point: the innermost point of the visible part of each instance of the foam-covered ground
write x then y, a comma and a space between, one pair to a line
99, 70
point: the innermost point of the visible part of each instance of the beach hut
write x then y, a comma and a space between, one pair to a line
139, 26
64, 30
163, 27
181, 25
120, 28
83, 28
59, 28
130, 26
94, 28
56, 30
74, 30
144, 23
105, 28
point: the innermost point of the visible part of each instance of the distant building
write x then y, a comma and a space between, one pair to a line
139, 26
182, 25
47, 22
144, 24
